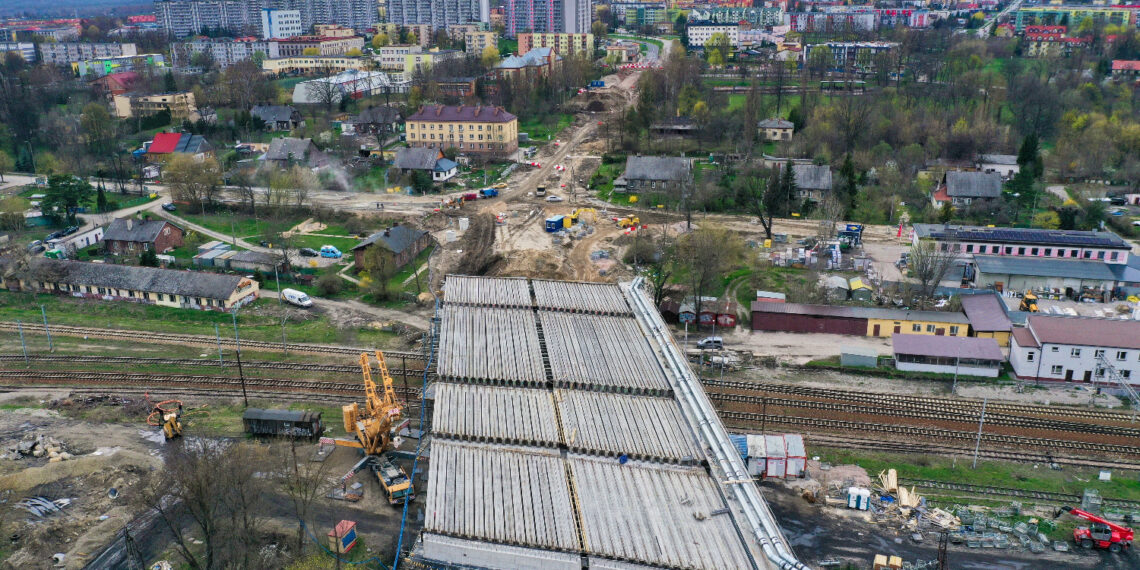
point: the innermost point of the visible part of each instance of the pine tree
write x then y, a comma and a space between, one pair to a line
100, 201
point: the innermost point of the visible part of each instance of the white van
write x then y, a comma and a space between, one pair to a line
295, 297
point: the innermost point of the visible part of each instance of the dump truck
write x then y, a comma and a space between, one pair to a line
488, 193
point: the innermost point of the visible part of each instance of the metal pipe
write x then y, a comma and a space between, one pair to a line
760, 518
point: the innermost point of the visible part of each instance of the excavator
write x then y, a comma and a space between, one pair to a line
577, 214
169, 417
372, 427
1028, 303
1102, 533
628, 221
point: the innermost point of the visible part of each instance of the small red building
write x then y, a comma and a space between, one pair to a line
726, 313
132, 237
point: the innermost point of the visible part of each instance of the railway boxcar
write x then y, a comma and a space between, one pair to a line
283, 423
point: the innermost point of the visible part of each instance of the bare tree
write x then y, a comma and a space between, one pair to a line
192, 181
929, 263
324, 90
302, 481
708, 253
830, 212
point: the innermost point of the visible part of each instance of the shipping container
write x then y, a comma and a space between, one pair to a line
797, 455
286, 423
777, 458
757, 455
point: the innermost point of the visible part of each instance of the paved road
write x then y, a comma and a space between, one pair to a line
985, 30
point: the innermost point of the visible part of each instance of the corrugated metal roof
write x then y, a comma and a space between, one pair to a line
987, 313
961, 184
946, 346
859, 312
1085, 331
595, 351
1044, 267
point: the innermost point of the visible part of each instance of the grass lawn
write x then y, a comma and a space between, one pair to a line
254, 325
345, 245
736, 101
288, 83
131, 201
397, 281
545, 128
240, 224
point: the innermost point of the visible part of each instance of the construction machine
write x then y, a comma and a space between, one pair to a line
1028, 303
167, 415
372, 429
577, 214
1101, 534
628, 221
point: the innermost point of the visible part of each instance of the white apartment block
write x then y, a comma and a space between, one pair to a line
225, 52
392, 57
66, 53
280, 23
438, 13
181, 18
577, 15
27, 50
700, 34
1070, 349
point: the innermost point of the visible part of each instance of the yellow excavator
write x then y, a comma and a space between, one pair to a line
576, 215
1028, 303
372, 428
628, 221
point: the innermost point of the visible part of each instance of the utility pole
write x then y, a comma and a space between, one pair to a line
763, 414
237, 345
218, 337
47, 331
284, 347
981, 422
277, 278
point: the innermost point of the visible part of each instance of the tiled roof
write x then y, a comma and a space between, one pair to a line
273, 113
417, 158
775, 124
164, 143
462, 113
987, 313
138, 231
947, 346
1084, 331
671, 168
961, 184
1024, 338
1125, 65
138, 278
396, 239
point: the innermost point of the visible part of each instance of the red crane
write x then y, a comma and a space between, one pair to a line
1102, 533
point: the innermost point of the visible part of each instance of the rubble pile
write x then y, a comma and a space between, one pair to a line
39, 446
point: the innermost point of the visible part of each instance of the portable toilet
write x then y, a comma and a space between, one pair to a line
554, 224
796, 454
757, 455
342, 538
777, 458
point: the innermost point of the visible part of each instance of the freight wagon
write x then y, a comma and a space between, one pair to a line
284, 423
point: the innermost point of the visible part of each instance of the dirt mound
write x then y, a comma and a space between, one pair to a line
596, 106
533, 264
478, 245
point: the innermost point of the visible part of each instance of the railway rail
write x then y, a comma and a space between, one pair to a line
1039, 496
900, 399
197, 340
200, 362
749, 420
931, 412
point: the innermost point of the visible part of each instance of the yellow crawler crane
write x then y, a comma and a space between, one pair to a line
373, 427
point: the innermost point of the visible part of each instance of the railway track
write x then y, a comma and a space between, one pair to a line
930, 412
198, 340
201, 362
30, 378
1037, 496
749, 420
904, 400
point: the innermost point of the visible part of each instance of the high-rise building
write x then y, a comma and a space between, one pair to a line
63, 53
548, 16
182, 18
355, 14
438, 13
280, 23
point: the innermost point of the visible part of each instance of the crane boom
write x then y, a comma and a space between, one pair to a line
1101, 534
1096, 519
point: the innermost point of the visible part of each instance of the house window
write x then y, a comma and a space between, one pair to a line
916, 328
1075, 353
1126, 373
1021, 251
953, 331
1088, 255
1098, 353
945, 247
1099, 372
1030, 356
1056, 370
1056, 349
969, 248
1100, 255
1008, 250
929, 328
1121, 355
1048, 251
1112, 256
1033, 251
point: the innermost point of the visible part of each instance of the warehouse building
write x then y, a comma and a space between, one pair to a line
1019, 274
947, 355
860, 321
149, 285
620, 467
1075, 349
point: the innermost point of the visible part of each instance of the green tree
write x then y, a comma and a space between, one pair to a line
98, 127
820, 59
788, 187
311, 51
380, 40
849, 183
946, 212
101, 201
168, 83
354, 52
489, 57
6, 164
379, 267
64, 194
421, 182
258, 58
717, 49
1047, 220
1029, 156
148, 258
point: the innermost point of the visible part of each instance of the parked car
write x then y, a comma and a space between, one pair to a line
309, 252
36, 249
70, 230
330, 251
501, 185
711, 342
553, 198
169, 207
295, 297
54, 235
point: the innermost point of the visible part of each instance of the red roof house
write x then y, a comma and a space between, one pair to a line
116, 83
1123, 67
165, 144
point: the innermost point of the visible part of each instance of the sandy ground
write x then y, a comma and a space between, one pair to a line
793, 348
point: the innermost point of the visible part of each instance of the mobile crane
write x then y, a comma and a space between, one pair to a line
372, 428
1101, 534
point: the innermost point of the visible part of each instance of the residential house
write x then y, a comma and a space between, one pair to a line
947, 355
1075, 349
426, 159
128, 236
674, 126
278, 117
813, 181
1122, 68
473, 129
116, 83
378, 120
149, 285
286, 151
538, 62
1003, 164
166, 144
776, 129
962, 188
180, 105
402, 241
664, 174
